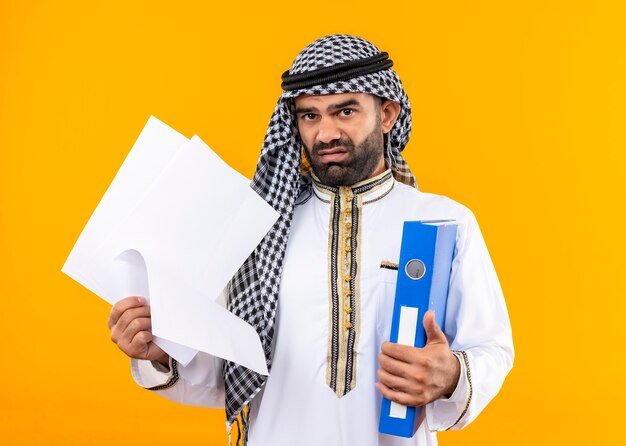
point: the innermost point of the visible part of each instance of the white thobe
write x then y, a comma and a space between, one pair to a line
297, 405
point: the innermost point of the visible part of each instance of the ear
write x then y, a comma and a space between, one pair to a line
389, 110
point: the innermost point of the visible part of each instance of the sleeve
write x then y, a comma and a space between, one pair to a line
199, 383
478, 328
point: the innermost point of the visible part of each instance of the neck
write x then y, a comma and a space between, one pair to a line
382, 177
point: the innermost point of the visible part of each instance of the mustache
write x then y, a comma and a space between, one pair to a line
345, 143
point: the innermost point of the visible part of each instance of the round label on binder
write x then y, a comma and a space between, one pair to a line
415, 269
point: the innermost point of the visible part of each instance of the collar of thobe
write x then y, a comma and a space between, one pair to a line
369, 190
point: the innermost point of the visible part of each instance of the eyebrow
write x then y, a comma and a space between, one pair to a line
332, 107
347, 103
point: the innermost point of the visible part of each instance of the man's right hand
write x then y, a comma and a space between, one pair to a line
131, 330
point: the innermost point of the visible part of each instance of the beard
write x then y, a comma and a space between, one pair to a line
360, 164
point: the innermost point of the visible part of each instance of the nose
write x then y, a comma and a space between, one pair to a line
328, 130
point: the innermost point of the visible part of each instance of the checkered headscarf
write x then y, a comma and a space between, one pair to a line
253, 292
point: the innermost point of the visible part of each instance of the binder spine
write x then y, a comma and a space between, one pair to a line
423, 276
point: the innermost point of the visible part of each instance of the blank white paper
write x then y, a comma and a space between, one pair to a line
177, 240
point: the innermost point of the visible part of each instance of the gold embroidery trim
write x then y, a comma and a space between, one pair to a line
171, 379
462, 355
344, 258
357, 291
344, 278
388, 265
329, 354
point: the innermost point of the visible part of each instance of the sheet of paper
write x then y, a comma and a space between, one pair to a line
127, 275
153, 150
194, 228
175, 225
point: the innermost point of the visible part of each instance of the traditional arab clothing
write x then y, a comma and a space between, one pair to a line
330, 65
329, 260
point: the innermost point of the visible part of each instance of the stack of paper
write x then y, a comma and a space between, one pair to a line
175, 225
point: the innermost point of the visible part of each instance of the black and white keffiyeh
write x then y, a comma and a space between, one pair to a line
337, 62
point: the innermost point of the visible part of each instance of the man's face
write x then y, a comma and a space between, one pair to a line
342, 136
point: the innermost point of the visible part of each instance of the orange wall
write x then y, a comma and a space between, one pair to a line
518, 113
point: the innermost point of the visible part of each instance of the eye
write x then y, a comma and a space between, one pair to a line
346, 111
308, 116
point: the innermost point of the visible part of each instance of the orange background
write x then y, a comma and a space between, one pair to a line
518, 112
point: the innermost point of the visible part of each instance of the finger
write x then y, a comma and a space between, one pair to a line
156, 353
394, 395
142, 342
136, 345
144, 337
397, 351
129, 315
121, 306
393, 366
392, 381
145, 348
126, 318
434, 335
136, 326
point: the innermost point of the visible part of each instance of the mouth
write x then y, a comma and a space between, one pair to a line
333, 155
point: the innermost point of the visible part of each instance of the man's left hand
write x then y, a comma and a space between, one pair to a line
416, 376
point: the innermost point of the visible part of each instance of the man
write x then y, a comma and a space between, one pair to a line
319, 288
